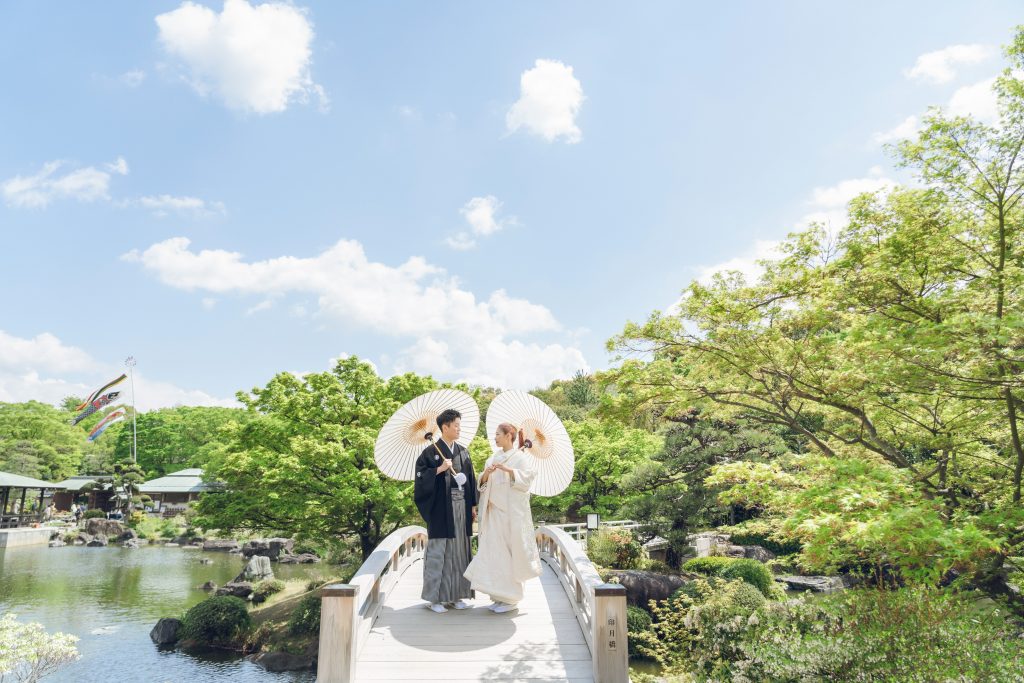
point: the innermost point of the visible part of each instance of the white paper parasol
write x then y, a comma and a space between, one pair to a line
404, 435
550, 442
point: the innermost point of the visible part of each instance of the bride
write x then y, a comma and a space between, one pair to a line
507, 555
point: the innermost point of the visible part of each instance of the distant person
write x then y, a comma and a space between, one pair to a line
48, 512
76, 510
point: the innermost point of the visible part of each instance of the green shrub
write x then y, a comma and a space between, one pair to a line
911, 634
709, 566
216, 621
94, 514
305, 618
615, 548
688, 589
268, 587
751, 571
638, 624
702, 631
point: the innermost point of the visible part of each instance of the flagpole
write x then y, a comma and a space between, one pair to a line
130, 362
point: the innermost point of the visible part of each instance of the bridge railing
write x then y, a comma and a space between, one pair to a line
348, 610
600, 607
578, 531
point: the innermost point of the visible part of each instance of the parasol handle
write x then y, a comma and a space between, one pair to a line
429, 436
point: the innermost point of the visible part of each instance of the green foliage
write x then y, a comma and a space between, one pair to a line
219, 620
157, 527
762, 533
709, 566
615, 548
856, 513
305, 619
303, 459
668, 492
605, 453
172, 439
28, 653
914, 634
752, 572
888, 350
638, 625
94, 514
580, 391
36, 440
701, 631
264, 589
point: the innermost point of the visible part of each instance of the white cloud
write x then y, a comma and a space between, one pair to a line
940, 66
827, 205
977, 100
481, 215
120, 166
165, 204
480, 212
413, 300
549, 101
44, 352
254, 58
43, 368
209, 302
86, 184
906, 129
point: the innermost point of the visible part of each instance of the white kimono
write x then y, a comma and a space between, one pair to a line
507, 554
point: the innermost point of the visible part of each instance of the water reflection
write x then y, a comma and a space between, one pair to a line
111, 597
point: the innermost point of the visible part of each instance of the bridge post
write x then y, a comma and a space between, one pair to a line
336, 662
608, 630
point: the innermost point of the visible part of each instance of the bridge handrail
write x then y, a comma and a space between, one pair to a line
348, 610
600, 607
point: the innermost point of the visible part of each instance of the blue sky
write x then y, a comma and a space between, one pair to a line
226, 191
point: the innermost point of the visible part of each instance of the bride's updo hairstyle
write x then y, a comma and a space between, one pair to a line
506, 428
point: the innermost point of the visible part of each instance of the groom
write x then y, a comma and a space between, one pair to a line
446, 496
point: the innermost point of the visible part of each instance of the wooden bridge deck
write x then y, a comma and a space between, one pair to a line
542, 641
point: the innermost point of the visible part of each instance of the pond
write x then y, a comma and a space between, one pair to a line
111, 597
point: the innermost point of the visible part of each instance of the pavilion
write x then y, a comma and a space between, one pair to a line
19, 507
177, 490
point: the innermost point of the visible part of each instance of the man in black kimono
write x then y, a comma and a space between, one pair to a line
446, 496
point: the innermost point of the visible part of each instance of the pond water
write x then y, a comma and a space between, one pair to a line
111, 597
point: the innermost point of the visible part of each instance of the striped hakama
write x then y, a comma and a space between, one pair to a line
447, 558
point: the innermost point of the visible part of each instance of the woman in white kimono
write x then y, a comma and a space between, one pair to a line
507, 555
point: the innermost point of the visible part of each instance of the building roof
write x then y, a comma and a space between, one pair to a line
183, 481
77, 482
17, 481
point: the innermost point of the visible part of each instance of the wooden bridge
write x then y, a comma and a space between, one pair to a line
570, 625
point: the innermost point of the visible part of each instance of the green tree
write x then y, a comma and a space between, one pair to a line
36, 440
668, 492
303, 461
606, 452
892, 344
171, 439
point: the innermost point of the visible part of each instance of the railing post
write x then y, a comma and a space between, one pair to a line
608, 623
337, 659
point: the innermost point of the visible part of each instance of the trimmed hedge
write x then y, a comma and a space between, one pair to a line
709, 566
216, 621
752, 572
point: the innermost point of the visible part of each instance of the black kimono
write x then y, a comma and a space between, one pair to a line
447, 512
433, 493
